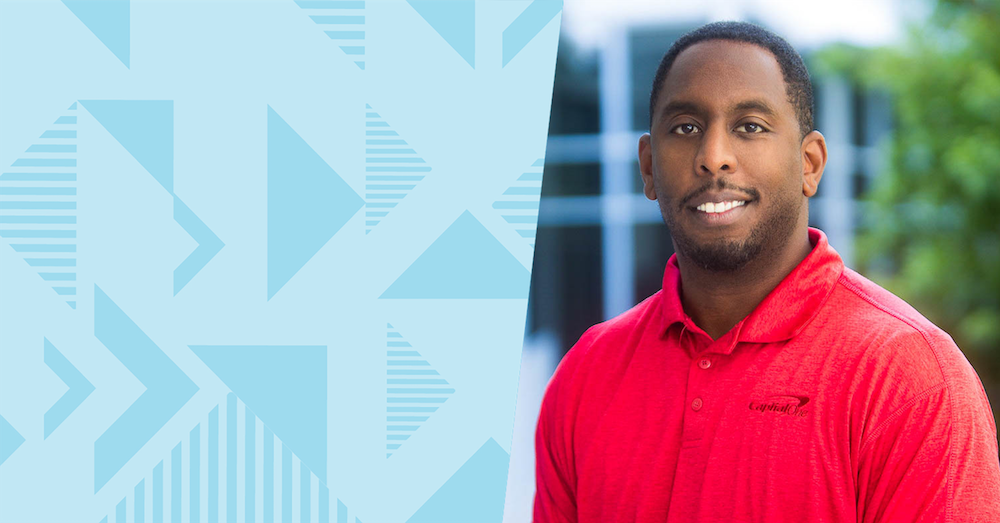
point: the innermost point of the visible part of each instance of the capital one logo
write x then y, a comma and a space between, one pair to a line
784, 404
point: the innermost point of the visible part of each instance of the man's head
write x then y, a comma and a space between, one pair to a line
731, 126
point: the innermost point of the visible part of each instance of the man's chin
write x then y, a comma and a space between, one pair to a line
722, 256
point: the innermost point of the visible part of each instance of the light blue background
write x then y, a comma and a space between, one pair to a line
222, 64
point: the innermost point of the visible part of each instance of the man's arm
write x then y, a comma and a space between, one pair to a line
555, 481
933, 459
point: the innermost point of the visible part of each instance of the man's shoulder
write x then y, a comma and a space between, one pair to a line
897, 342
610, 338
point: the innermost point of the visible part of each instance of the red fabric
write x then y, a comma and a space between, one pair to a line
832, 401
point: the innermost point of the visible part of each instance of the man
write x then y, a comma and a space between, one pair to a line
765, 381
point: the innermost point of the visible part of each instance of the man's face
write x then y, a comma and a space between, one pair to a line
724, 156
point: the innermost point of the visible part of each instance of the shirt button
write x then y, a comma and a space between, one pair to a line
696, 404
704, 364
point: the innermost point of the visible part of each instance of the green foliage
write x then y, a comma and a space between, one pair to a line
932, 227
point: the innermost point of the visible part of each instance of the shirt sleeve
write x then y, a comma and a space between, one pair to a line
933, 459
555, 500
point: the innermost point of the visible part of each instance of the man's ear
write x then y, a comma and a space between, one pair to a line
646, 165
813, 152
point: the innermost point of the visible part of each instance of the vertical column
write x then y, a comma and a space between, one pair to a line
213, 465
250, 466
120, 511
286, 483
341, 512
618, 244
268, 475
304, 492
175, 484
194, 450
231, 458
835, 198
158, 493
324, 503
140, 502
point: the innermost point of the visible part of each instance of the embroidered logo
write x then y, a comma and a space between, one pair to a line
786, 404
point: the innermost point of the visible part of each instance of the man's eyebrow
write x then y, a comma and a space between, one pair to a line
755, 105
679, 106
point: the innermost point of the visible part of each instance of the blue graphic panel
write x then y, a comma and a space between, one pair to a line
202, 247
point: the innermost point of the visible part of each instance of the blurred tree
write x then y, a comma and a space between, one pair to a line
931, 230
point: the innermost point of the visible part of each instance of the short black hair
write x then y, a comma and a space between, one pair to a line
793, 69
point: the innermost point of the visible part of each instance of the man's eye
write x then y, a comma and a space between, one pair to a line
685, 128
750, 128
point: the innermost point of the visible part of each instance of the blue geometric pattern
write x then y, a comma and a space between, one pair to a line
10, 439
108, 20
246, 120
473, 493
392, 168
343, 21
79, 388
218, 455
455, 21
527, 25
38, 205
167, 388
453, 267
307, 202
414, 390
519, 203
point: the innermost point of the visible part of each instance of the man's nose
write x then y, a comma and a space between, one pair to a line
716, 154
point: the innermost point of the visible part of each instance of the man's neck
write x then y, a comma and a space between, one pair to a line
718, 301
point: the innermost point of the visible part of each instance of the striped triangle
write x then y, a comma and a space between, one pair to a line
343, 22
414, 390
38, 205
519, 203
392, 169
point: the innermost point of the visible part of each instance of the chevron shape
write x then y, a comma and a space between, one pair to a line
414, 390
343, 22
79, 388
392, 168
208, 245
519, 203
167, 388
38, 205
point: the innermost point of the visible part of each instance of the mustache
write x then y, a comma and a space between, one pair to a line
722, 185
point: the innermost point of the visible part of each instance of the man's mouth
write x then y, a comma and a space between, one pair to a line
719, 207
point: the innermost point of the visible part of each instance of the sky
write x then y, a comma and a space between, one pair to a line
804, 24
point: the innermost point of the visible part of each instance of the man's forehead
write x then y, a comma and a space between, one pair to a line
725, 73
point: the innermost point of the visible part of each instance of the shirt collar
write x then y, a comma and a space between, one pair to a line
784, 311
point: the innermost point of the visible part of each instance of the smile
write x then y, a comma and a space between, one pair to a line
715, 214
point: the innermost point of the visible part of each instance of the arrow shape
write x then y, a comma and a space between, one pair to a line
79, 388
167, 388
10, 440
208, 244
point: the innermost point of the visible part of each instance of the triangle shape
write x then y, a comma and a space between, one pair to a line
392, 169
108, 20
285, 386
454, 21
307, 202
145, 128
10, 440
474, 493
73, 107
518, 205
465, 262
414, 390
79, 387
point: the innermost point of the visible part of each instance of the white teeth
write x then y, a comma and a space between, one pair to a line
715, 208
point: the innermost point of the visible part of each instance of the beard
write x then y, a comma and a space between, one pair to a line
775, 228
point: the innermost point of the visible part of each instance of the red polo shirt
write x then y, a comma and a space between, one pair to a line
833, 400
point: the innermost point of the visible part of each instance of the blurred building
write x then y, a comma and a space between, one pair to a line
601, 245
